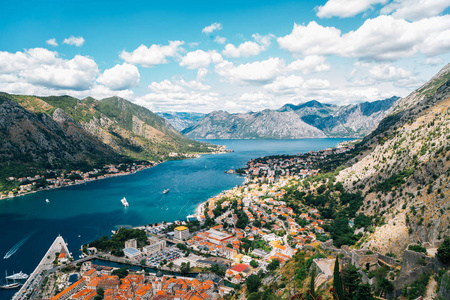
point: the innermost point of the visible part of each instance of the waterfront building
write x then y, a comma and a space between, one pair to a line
181, 233
156, 245
131, 243
131, 252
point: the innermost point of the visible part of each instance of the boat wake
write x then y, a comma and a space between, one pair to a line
17, 246
184, 207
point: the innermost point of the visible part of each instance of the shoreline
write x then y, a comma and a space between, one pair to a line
110, 175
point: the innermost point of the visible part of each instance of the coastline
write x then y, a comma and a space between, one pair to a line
109, 175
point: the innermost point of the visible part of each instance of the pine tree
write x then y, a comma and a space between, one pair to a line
337, 282
312, 292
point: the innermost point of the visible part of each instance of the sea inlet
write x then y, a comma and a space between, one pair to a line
82, 213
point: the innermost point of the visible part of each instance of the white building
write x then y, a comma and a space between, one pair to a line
131, 243
131, 252
181, 233
156, 245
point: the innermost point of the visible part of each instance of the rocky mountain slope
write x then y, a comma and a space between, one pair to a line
308, 120
181, 120
404, 169
62, 132
49, 140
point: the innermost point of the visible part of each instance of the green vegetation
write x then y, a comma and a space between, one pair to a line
122, 272
443, 251
253, 283
117, 241
417, 248
393, 181
417, 288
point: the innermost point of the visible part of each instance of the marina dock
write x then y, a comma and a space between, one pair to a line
33, 282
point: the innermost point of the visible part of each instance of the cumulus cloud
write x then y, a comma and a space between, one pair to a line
151, 56
286, 85
76, 41
220, 40
345, 8
248, 48
52, 42
388, 73
415, 10
258, 72
39, 66
212, 27
200, 59
316, 84
310, 64
120, 77
381, 38
167, 86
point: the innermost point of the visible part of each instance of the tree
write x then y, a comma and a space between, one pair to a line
170, 265
254, 263
274, 264
312, 290
385, 285
337, 282
443, 252
185, 268
363, 293
253, 282
351, 281
142, 262
122, 272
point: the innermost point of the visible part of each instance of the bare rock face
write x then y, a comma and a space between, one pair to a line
308, 120
405, 171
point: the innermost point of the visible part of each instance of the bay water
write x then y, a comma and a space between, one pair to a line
82, 213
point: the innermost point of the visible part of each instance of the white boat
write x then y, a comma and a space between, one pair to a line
124, 202
10, 286
46, 200
17, 276
166, 191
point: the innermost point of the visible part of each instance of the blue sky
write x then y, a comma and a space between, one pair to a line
230, 55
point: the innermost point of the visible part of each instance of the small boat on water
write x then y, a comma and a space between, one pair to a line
166, 191
124, 202
17, 276
46, 200
14, 285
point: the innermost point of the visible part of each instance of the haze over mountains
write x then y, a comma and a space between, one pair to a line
307, 120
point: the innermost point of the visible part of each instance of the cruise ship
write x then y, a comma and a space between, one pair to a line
124, 202
17, 276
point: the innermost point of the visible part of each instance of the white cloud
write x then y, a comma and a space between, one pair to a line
386, 72
381, 38
316, 84
312, 39
245, 49
151, 56
77, 41
286, 85
200, 59
195, 85
201, 74
258, 72
434, 61
212, 27
165, 86
120, 77
253, 96
39, 66
52, 42
248, 48
310, 64
415, 10
345, 8
220, 40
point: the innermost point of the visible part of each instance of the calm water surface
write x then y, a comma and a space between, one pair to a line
28, 225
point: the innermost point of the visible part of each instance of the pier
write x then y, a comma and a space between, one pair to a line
46, 263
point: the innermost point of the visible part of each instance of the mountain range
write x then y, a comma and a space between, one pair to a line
307, 120
181, 120
62, 132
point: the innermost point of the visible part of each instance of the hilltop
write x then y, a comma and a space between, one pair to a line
307, 120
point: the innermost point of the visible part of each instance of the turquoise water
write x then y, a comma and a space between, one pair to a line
28, 225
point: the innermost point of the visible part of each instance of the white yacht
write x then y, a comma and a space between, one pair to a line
17, 276
166, 191
124, 202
